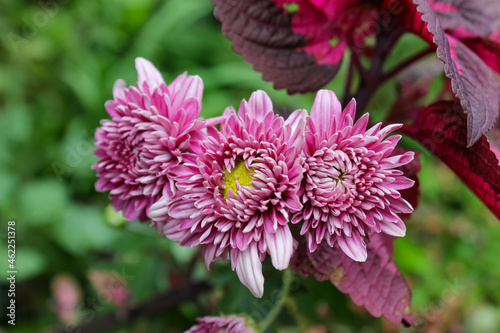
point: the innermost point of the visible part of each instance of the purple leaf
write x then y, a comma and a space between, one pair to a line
375, 284
298, 45
441, 128
472, 80
262, 32
475, 85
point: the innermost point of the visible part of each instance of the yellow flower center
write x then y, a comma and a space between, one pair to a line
238, 174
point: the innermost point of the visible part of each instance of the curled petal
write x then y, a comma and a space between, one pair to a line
280, 247
249, 270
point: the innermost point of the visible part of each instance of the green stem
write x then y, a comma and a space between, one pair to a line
275, 311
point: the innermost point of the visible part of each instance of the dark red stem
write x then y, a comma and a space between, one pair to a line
371, 78
406, 63
348, 83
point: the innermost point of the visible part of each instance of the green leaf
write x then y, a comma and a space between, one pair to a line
82, 229
43, 201
30, 262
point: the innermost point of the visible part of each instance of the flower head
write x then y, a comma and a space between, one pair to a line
224, 324
351, 183
151, 127
235, 198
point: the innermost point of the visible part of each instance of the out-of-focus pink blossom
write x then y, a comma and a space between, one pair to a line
223, 324
110, 286
67, 295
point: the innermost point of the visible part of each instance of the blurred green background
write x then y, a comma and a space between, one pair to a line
58, 63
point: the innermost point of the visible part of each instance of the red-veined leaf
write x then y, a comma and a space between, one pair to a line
441, 128
487, 49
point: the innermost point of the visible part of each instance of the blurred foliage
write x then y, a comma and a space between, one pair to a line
58, 62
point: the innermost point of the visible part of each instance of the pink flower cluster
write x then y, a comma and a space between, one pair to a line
258, 184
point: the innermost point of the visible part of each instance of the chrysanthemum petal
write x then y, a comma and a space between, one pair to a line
396, 229
147, 73
353, 246
119, 89
259, 104
297, 122
325, 112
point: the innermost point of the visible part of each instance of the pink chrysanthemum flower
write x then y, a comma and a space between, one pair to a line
151, 127
224, 324
351, 184
239, 192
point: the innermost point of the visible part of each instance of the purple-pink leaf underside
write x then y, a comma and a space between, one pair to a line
473, 82
494, 140
441, 128
376, 284
262, 32
473, 23
465, 17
